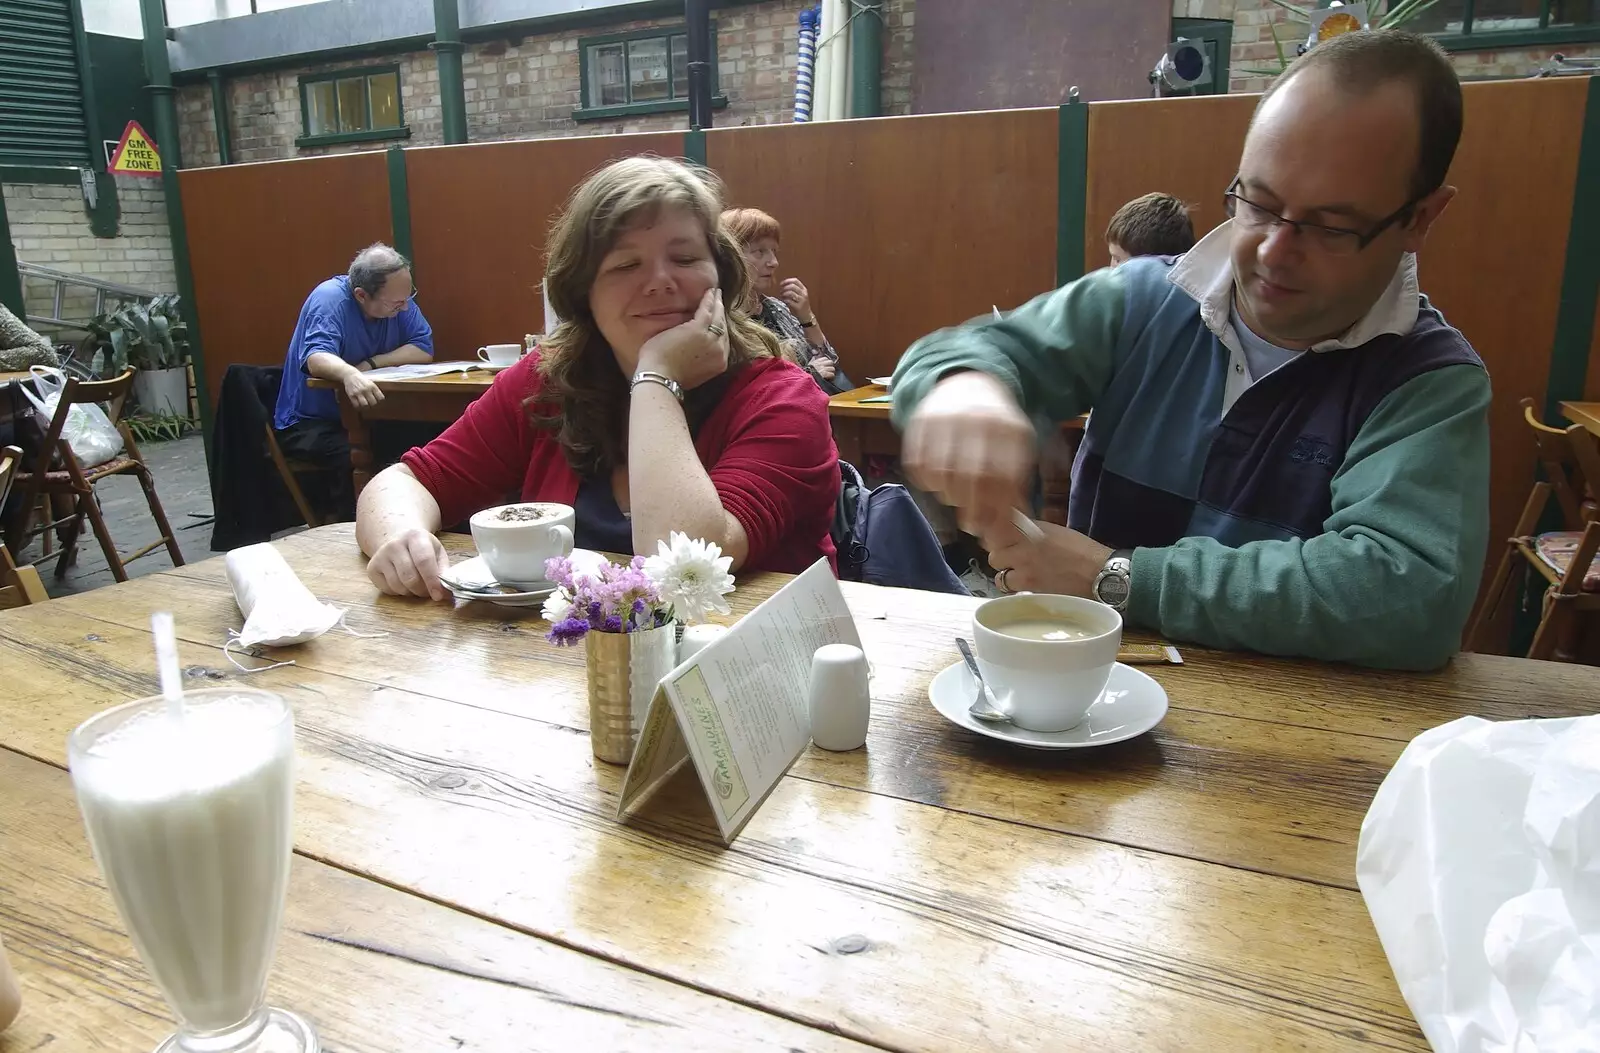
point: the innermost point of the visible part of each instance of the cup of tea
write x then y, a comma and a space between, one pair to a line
1046, 659
515, 540
500, 354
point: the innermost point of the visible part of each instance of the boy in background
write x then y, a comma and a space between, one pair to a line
1152, 225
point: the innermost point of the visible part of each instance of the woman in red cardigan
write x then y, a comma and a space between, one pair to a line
656, 405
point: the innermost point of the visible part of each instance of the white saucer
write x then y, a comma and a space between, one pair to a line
882, 382
470, 580
492, 368
1132, 704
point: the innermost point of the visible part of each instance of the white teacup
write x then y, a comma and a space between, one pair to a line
1046, 658
515, 540
500, 354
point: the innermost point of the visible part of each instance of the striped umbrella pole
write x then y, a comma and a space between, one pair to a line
809, 19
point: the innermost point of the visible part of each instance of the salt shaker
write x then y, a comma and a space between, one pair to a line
840, 703
697, 638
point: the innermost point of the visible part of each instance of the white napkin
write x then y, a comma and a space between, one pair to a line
1480, 864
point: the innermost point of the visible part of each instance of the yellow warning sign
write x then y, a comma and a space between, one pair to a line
136, 154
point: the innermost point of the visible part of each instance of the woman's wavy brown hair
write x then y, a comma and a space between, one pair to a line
584, 396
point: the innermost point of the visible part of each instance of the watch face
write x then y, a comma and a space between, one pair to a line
1113, 589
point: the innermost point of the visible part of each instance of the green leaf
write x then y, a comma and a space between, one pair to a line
1296, 12
1404, 12
1278, 43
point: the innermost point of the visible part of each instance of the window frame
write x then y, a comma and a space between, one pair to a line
585, 112
1497, 39
367, 135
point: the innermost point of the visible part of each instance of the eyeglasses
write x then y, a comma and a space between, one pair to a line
1334, 241
396, 304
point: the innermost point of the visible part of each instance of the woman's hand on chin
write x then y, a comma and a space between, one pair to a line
694, 352
409, 565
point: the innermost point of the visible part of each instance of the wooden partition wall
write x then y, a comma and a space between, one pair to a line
902, 225
261, 236
1493, 263
479, 217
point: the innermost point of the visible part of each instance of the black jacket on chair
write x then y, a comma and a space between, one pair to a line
250, 501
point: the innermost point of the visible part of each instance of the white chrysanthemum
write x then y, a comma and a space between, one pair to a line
691, 575
556, 605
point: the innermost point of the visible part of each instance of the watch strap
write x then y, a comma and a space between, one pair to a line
650, 376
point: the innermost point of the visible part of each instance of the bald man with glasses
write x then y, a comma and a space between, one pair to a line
1289, 450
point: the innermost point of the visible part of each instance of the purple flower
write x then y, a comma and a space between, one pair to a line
568, 631
612, 624
559, 570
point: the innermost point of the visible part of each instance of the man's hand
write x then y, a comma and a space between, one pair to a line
361, 391
970, 445
793, 292
691, 353
1065, 562
824, 367
409, 565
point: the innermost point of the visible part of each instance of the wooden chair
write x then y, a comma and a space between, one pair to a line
1564, 558
287, 470
56, 472
18, 585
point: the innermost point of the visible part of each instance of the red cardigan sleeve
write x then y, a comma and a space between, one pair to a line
778, 474
484, 455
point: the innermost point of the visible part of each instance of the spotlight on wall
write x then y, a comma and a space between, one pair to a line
1336, 20
1183, 67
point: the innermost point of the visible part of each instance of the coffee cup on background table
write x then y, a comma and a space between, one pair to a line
1046, 659
515, 540
500, 354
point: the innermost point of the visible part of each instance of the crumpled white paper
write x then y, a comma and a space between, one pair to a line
278, 609
1480, 864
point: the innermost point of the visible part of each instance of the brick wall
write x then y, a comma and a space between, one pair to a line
50, 227
1253, 46
527, 87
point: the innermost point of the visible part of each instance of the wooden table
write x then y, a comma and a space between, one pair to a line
461, 874
1585, 413
432, 399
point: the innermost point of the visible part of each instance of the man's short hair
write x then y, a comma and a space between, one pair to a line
372, 267
1152, 225
1364, 60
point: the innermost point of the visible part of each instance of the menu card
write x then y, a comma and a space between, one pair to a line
738, 709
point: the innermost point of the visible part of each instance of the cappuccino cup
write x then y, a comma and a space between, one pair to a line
515, 540
500, 354
1046, 659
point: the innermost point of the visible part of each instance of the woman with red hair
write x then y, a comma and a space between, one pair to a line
783, 307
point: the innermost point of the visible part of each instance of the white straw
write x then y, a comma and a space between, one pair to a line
1028, 527
167, 662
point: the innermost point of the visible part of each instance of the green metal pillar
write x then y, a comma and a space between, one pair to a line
219, 116
866, 59
452, 89
163, 102
10, 280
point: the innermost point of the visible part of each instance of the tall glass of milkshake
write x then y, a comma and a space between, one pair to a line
190, 819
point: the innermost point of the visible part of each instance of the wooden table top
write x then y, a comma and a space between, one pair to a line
849, 404
1585, 413
472, 381
1190, 889
11, 378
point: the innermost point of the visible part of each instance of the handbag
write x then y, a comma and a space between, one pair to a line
884, 539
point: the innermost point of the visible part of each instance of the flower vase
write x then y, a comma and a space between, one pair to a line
624, 669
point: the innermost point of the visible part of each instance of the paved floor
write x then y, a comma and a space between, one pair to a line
179, 467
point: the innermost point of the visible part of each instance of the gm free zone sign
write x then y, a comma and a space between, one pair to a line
136, 154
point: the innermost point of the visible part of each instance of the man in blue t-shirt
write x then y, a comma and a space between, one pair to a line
350, 325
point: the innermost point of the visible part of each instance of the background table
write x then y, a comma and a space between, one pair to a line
430, 399
1585, 413
1190, 889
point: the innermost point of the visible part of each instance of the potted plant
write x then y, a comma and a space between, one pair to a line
152, 338
628, 616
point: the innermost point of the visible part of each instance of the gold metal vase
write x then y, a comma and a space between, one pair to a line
624, 669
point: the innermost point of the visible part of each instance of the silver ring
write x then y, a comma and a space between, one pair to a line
716, 330
1002, 582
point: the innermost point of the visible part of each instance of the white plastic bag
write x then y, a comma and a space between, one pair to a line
1480, 863
88, 431
278, 609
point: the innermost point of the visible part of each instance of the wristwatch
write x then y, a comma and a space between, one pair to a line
1111, 585
650, 376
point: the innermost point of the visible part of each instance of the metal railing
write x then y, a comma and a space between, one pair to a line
62, 280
